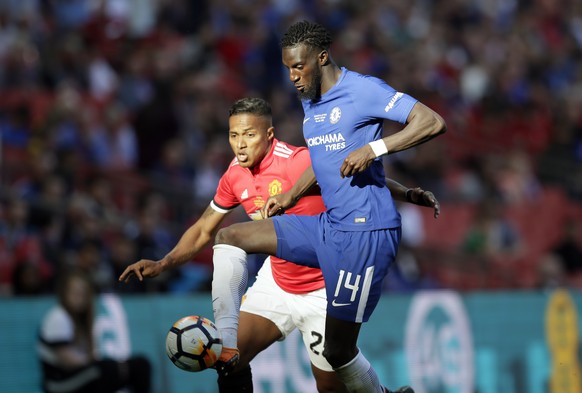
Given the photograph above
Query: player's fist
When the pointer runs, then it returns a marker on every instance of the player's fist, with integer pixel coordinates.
(357, 161)
(277, 205)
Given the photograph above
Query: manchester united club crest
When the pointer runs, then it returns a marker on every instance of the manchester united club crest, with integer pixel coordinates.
(275, 188)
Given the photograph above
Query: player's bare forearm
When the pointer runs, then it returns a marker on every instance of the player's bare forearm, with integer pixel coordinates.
(278, 203)
(190, 244)
(397, 190)
(303, 184)
(416, 196)
(198, 236)
(423, 125)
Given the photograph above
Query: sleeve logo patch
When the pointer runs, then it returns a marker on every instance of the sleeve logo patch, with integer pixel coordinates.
(392, 102)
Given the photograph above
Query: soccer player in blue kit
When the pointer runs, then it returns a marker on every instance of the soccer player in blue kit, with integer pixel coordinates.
(356, 239)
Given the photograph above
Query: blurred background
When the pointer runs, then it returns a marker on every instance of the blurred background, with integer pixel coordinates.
(113, 126)
(113, 132)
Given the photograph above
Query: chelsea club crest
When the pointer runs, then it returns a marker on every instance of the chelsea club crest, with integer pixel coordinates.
(335, 115)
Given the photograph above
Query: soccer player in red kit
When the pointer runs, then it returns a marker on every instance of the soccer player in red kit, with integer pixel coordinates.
(285, 295)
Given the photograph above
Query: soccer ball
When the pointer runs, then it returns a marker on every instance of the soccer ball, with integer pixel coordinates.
(193, 343)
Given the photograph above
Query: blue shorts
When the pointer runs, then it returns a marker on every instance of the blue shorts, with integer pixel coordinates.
(354, 264)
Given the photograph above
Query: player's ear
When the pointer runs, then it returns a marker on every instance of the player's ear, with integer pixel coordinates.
(323, 57)
(270, 133)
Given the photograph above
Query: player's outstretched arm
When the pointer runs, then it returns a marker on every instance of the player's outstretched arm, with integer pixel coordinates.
(279, 203)
(416, 196)
(191, 243)
(422, 125)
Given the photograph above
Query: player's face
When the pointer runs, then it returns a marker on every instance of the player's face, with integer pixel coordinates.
(304, 65)
(250, 138)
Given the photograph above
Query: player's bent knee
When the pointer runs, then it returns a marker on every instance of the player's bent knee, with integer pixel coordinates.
(228, 236)
(240, 381)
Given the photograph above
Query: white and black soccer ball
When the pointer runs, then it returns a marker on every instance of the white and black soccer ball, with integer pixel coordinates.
(193, 343)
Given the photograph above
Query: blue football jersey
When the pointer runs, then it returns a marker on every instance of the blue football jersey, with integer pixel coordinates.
(347, 117)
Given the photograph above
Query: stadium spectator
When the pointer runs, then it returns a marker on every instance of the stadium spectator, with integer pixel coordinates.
(569, 248)
(560, 163)
(551, 273)
(27, 280)
(99, 198)
(122, 251)
(114, 145)
(492, 236)
(517, 181)
(67, 350)
(20, 244)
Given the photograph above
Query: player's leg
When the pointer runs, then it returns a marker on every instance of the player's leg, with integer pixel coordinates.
(254, 237)
(348, 362)
(360, 261)
(264, 319)
(309, 314)
(265, 316)
(230, 278)
(255, 334)
(230, 273)
(328, 381)
(341, 339)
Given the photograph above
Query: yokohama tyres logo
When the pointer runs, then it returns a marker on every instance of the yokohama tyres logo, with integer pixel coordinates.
(439, 344)
(325, 139)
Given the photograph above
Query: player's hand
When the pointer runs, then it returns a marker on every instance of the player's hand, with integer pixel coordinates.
(144, 268)
(425, 198)
(277, 205)
(357, 161)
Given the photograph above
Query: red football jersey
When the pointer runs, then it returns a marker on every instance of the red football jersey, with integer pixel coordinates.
(276, 174)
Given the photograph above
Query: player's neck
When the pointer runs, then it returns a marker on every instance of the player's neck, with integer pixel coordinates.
(330, 76)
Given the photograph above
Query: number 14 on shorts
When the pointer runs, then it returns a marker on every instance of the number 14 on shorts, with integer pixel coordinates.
(345, 282)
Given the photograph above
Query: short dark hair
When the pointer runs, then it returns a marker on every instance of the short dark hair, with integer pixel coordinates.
(309, 33)
(254, 106)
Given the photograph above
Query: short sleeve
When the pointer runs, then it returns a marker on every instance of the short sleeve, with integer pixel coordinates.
(374, 98)
(224, 199)
(57, 327)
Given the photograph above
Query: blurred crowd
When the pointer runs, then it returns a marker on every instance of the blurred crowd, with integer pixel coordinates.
(113, 126)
